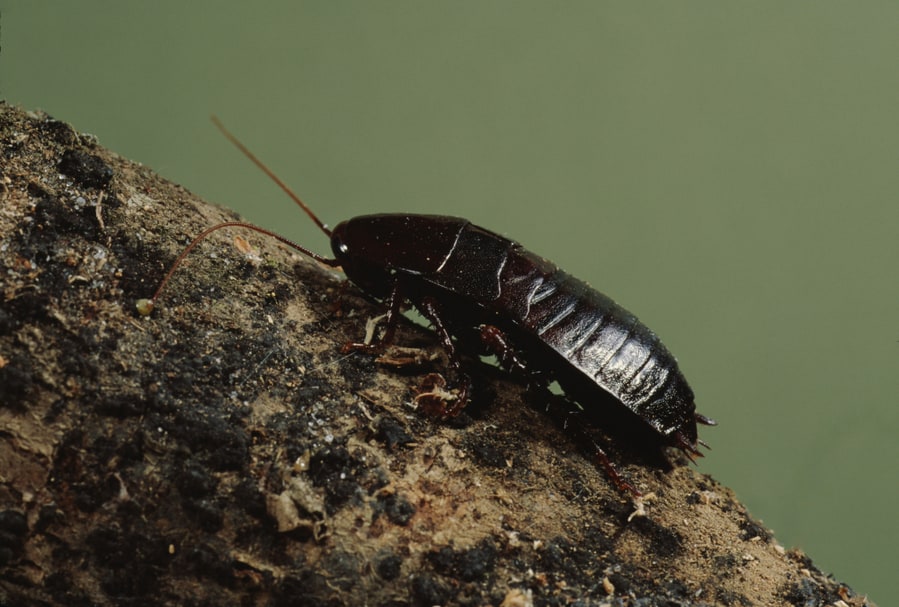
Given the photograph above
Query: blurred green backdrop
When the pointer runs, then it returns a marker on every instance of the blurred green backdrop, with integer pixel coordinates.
(728, 171)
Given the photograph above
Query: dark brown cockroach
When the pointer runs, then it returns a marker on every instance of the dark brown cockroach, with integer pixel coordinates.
(475, 286)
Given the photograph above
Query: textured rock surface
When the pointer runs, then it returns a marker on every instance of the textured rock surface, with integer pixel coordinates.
(223, 451)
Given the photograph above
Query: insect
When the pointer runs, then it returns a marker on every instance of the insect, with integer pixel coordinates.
(477, 287)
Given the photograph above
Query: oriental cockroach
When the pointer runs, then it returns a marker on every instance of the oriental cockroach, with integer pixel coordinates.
(480, 289)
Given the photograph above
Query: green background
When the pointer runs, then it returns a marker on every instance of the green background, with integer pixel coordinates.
(727, 171)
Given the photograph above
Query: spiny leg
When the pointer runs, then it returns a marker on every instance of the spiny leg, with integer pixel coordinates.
(394, 307)
(611, 471)
(435, 402)
(499, 345)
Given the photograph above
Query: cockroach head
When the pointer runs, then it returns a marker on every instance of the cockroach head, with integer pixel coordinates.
(366, 272)
(373, 248)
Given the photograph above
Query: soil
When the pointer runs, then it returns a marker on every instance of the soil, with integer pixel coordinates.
(223, 451)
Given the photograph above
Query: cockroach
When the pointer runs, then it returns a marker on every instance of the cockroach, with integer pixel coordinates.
(476, 286)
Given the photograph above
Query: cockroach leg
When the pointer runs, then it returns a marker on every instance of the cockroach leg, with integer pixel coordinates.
(375, 345)
(404, 357)
(434, 399)
(623, 485)
(498, 344)
(430, 309)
